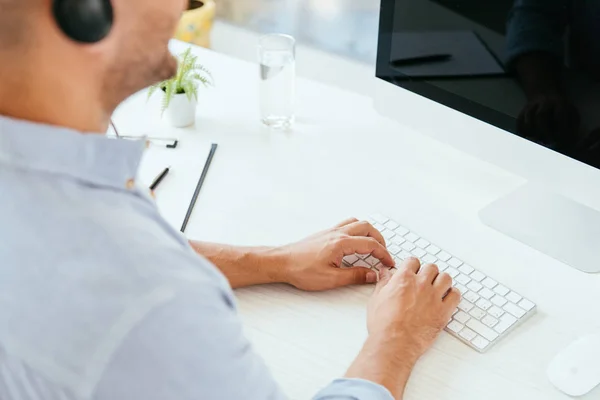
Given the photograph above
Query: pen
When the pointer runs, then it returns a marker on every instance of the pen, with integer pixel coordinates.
(159, 178)
(431, 58)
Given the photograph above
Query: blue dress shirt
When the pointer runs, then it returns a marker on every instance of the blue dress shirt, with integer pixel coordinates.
(100, 298)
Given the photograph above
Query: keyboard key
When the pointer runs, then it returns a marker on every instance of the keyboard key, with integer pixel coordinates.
(514, 297)
(499, 300)
(418, 252)
(408, 246)
(514, 310)
(480, 342)
(484, 304)
(398, 261)
(526, 305)
(361, 263)
(466, 269)
(489, 321)
(495, 312)
(411, 237)
(477, 276)
(455, 262)
(452, 272)
(475, 286)
(397, 240)
(387, 234)
(467, 334)
(363, 256)
(463, 279)
(462, 289)
(489, 283)
(477, 313)
(404, 255)
(506, 322)
(486, 293)
(429, 259)
(391, 225)
(433, 250)
(422, 243)
(442, 266)
(501, 290)
(462, 317)
(351, 259)
(481, 329)
(401, 231)
(380, 218)
(471, 297)
(372, 261)
(455, 326)
(465, 306)
(379, 227)
(393, 249)
(444, 256)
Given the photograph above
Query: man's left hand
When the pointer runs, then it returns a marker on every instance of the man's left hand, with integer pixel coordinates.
(313, 264)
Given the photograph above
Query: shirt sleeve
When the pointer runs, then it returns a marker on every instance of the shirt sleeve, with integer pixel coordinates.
(191, 348)
(536, 25)
(354, 389)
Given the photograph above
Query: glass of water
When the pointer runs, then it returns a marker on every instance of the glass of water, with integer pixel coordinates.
(277, 57)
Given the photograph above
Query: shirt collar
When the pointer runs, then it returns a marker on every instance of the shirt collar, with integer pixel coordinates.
(90, 157)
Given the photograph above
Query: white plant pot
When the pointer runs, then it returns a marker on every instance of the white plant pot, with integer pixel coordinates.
(181, 111)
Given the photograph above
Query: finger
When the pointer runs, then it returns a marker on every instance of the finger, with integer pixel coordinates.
(429, 272)
(366, 245)
(544, 126)
(346, 222)
(411, 264)
(442, 283)
(354, 276)
(384, 278)
(452, 298)
(363, 228)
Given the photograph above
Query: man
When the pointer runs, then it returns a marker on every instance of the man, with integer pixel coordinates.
(99, 298)
(536, 44)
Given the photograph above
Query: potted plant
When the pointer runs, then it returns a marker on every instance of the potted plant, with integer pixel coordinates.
(196, 23)
(180, 93)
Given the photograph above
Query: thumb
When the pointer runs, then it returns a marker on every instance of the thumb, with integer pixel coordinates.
(384, 277)
(355, 276)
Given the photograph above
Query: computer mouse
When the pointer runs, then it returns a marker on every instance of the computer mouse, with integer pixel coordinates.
(576, 370)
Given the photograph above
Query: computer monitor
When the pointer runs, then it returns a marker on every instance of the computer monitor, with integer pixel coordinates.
(524, 76)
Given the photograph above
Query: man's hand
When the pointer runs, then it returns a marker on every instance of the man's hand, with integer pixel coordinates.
(415, 302)
(550, 119)
(314, 263)
(408, 311)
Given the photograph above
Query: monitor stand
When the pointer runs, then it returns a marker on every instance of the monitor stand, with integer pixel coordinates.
(555, 225)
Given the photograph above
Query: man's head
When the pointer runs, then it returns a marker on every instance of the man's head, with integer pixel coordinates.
(38, 56)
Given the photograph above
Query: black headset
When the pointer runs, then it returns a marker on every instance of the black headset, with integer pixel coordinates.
(84, 21)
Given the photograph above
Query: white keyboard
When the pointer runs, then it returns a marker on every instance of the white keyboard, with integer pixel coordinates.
(488, 310)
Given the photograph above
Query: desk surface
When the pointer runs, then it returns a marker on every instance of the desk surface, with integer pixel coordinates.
(343, 159)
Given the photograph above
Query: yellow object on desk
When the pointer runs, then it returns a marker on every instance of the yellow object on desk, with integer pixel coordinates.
(196, 23)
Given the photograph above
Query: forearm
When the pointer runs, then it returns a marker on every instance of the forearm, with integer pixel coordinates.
(387, 360)
(540, 74)
(244, 266)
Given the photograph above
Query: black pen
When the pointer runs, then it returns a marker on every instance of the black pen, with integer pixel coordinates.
(431, 58)
(159, 178)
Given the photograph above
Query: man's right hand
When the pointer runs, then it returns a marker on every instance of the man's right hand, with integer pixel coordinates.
(406, 314)
(416, 303)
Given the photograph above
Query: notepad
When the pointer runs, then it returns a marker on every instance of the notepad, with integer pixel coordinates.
(175, 192)
(470, 56)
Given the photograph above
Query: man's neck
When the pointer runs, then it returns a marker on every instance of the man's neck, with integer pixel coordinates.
(41, 97)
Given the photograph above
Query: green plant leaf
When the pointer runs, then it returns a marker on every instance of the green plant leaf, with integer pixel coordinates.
(190, 74)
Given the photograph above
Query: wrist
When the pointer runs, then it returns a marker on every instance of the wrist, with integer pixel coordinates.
(273, 261)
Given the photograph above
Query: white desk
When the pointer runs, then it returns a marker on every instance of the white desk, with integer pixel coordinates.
(343, 159)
